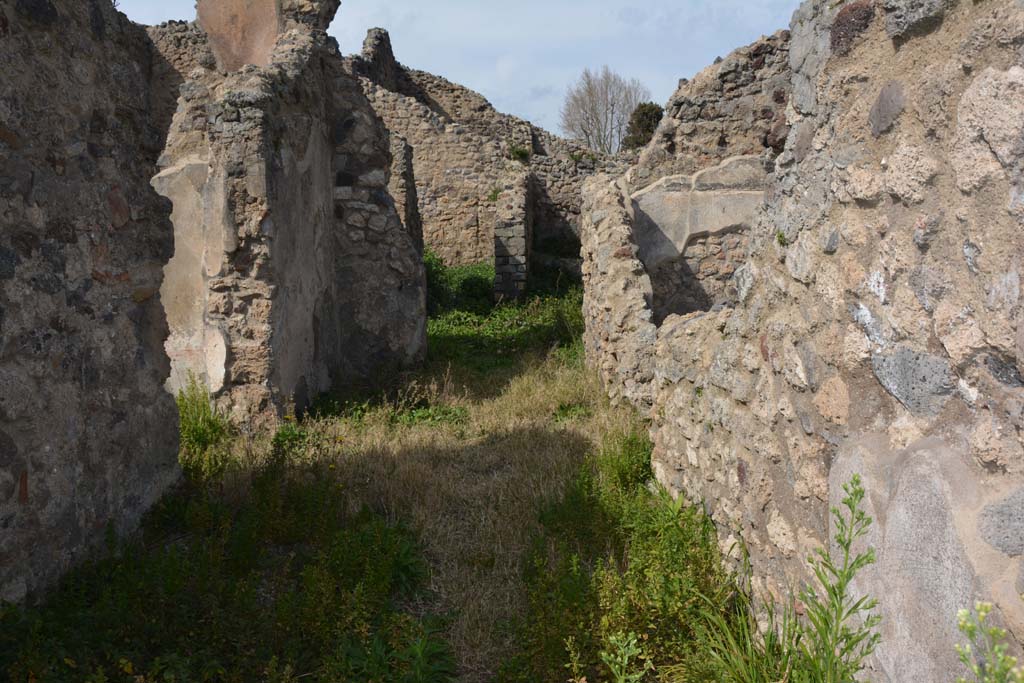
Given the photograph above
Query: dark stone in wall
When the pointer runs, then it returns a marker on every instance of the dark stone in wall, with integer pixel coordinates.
(851, 21)
(919, 381)
(40, 11)
(1002, 524)
(906, 18)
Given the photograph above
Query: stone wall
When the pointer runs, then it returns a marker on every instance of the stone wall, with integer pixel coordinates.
(513, 234)
(279, 269)
(877, 327)
(88, 436)
(735, 107)
(463, 151)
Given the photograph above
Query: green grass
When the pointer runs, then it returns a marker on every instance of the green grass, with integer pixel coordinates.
(500, 477)
(615, 577)
(278, 583)
(468, 329)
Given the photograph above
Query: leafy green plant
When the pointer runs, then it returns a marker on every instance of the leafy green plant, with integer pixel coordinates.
(781, 239)
(841, 633)
(288, 437)
(986, 654)
(517, 153)
(494, 194)
(616, 559)
(831, 643)
(202, 428)
(623, 649)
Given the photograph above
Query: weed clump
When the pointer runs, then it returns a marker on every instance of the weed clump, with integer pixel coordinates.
(615, 576)
(203, 431)
(520, 154)
(831, 643)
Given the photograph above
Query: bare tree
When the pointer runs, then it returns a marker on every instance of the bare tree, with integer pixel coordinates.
(598, 106)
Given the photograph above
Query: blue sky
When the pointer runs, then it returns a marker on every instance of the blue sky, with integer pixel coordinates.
(523, 54)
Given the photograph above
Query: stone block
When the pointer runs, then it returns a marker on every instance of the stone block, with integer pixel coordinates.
(920, 381)
(887, 108)
(905, 18)
(1002, 524)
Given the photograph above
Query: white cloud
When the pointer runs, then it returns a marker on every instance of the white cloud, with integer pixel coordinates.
(523, 54)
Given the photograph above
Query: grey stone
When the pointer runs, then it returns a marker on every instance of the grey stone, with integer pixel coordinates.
(971, 253)
(920, 381)
(830, 239)
(8, 263)
(744, 281)
(1004, 370)
(887, 108)
(929, 286)
(905, 18)
(926, 231)
(1002, 524)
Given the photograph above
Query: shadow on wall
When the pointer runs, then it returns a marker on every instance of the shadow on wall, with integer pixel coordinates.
(691, 234)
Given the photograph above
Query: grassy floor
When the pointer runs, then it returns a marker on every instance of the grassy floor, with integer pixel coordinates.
(380, 540)
(492, 520)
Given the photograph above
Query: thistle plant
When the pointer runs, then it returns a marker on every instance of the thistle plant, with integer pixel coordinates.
(985, 654)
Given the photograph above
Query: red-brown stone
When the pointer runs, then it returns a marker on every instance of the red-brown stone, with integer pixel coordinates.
(240, 31)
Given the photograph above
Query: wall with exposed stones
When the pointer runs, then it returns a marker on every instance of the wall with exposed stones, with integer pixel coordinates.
(735, 107)
(88, 436)
(463, 154)
(279, 268)
(293, 271)
(877, 327)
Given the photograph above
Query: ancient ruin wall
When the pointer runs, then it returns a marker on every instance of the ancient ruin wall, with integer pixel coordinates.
(877, 329)
(292, 273)
(735, 107)
(87, 433)
(280, 267)
(463, 153)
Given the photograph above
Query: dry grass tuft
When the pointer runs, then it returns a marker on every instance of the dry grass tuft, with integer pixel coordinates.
(470, 487)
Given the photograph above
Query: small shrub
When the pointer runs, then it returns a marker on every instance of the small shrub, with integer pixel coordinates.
(781, 239)
(985, 654)
(831, 643)
(642, 125)
(203, 429)
(288, 438)
(494, 194)
(619, 659)
(520, 154)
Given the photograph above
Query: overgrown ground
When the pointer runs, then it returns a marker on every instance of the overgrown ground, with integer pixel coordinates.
(492, 518)
(382, 539)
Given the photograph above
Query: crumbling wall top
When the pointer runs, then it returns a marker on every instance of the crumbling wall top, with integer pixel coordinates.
(245, 32)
